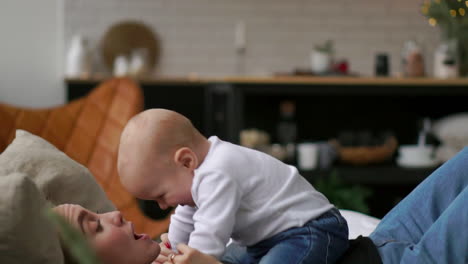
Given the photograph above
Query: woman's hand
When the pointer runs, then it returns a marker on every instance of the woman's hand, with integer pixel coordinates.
(187, 255)
(165, 250)
(190, 255)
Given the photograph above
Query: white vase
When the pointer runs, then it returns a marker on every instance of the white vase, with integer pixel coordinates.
(121, 66)
(78, 61)
(446, 64)
(320, 62)
(138, 66)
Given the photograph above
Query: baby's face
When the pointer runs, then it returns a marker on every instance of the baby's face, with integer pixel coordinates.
(112, 237)
(172, 188)
(149, 175)
(174, 193)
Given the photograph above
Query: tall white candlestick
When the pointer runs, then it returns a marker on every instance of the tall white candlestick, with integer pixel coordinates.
(240, 41)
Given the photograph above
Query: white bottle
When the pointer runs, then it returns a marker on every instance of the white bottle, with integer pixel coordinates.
(78, 61)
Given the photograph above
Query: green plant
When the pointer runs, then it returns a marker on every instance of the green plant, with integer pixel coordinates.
(74, 240)
(450, 15)
(452, 18)
(344, 196)
(326, 47)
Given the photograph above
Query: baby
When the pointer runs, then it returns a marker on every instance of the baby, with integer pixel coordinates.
(222, 191)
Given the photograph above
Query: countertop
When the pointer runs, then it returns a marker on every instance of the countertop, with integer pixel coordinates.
(329, 80)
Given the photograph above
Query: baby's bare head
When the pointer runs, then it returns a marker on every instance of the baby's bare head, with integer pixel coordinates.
(147, 146)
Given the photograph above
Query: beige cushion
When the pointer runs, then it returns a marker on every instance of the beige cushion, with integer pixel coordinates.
(61, 179)
(26, 234)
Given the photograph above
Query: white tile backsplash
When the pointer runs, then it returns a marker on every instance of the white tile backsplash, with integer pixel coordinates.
(198, 35)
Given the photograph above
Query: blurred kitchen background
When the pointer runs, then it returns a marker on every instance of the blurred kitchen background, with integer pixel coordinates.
(246, 70)
(214, 38)
(199, 36)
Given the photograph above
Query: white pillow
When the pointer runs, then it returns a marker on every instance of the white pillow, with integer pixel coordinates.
(359, 223)
(26, 234)
(61, 179)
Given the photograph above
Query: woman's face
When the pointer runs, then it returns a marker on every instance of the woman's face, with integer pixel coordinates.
(112, 237)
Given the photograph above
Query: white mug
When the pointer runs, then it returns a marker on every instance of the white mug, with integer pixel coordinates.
(307, 155)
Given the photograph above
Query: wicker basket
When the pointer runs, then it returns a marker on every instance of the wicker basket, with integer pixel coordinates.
(366, 155)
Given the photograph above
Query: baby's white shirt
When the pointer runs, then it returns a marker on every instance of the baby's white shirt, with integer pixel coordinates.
(244, 194)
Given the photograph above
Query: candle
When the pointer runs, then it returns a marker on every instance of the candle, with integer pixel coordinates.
(240, 41)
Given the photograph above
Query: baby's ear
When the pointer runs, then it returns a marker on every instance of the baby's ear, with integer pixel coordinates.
(186, 157)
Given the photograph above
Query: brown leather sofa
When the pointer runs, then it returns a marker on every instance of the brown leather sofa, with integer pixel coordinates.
(88, 130)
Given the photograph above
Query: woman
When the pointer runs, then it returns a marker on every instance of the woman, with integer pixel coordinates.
(113, 238)
(428, 226)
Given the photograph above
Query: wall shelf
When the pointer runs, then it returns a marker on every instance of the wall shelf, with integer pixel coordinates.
(290, 80)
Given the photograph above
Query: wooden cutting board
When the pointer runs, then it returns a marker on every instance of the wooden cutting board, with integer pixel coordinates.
(123, 37)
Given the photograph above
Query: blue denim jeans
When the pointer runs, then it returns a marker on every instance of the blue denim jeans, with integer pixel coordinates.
(431, 224)
(321, 240)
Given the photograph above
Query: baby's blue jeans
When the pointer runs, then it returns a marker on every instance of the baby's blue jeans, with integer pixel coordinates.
(321, 240)
(431, 224)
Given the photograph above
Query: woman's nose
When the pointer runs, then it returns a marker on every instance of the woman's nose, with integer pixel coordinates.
(118, 218)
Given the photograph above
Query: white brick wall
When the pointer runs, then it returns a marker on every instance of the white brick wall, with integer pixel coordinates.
(198, 35)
